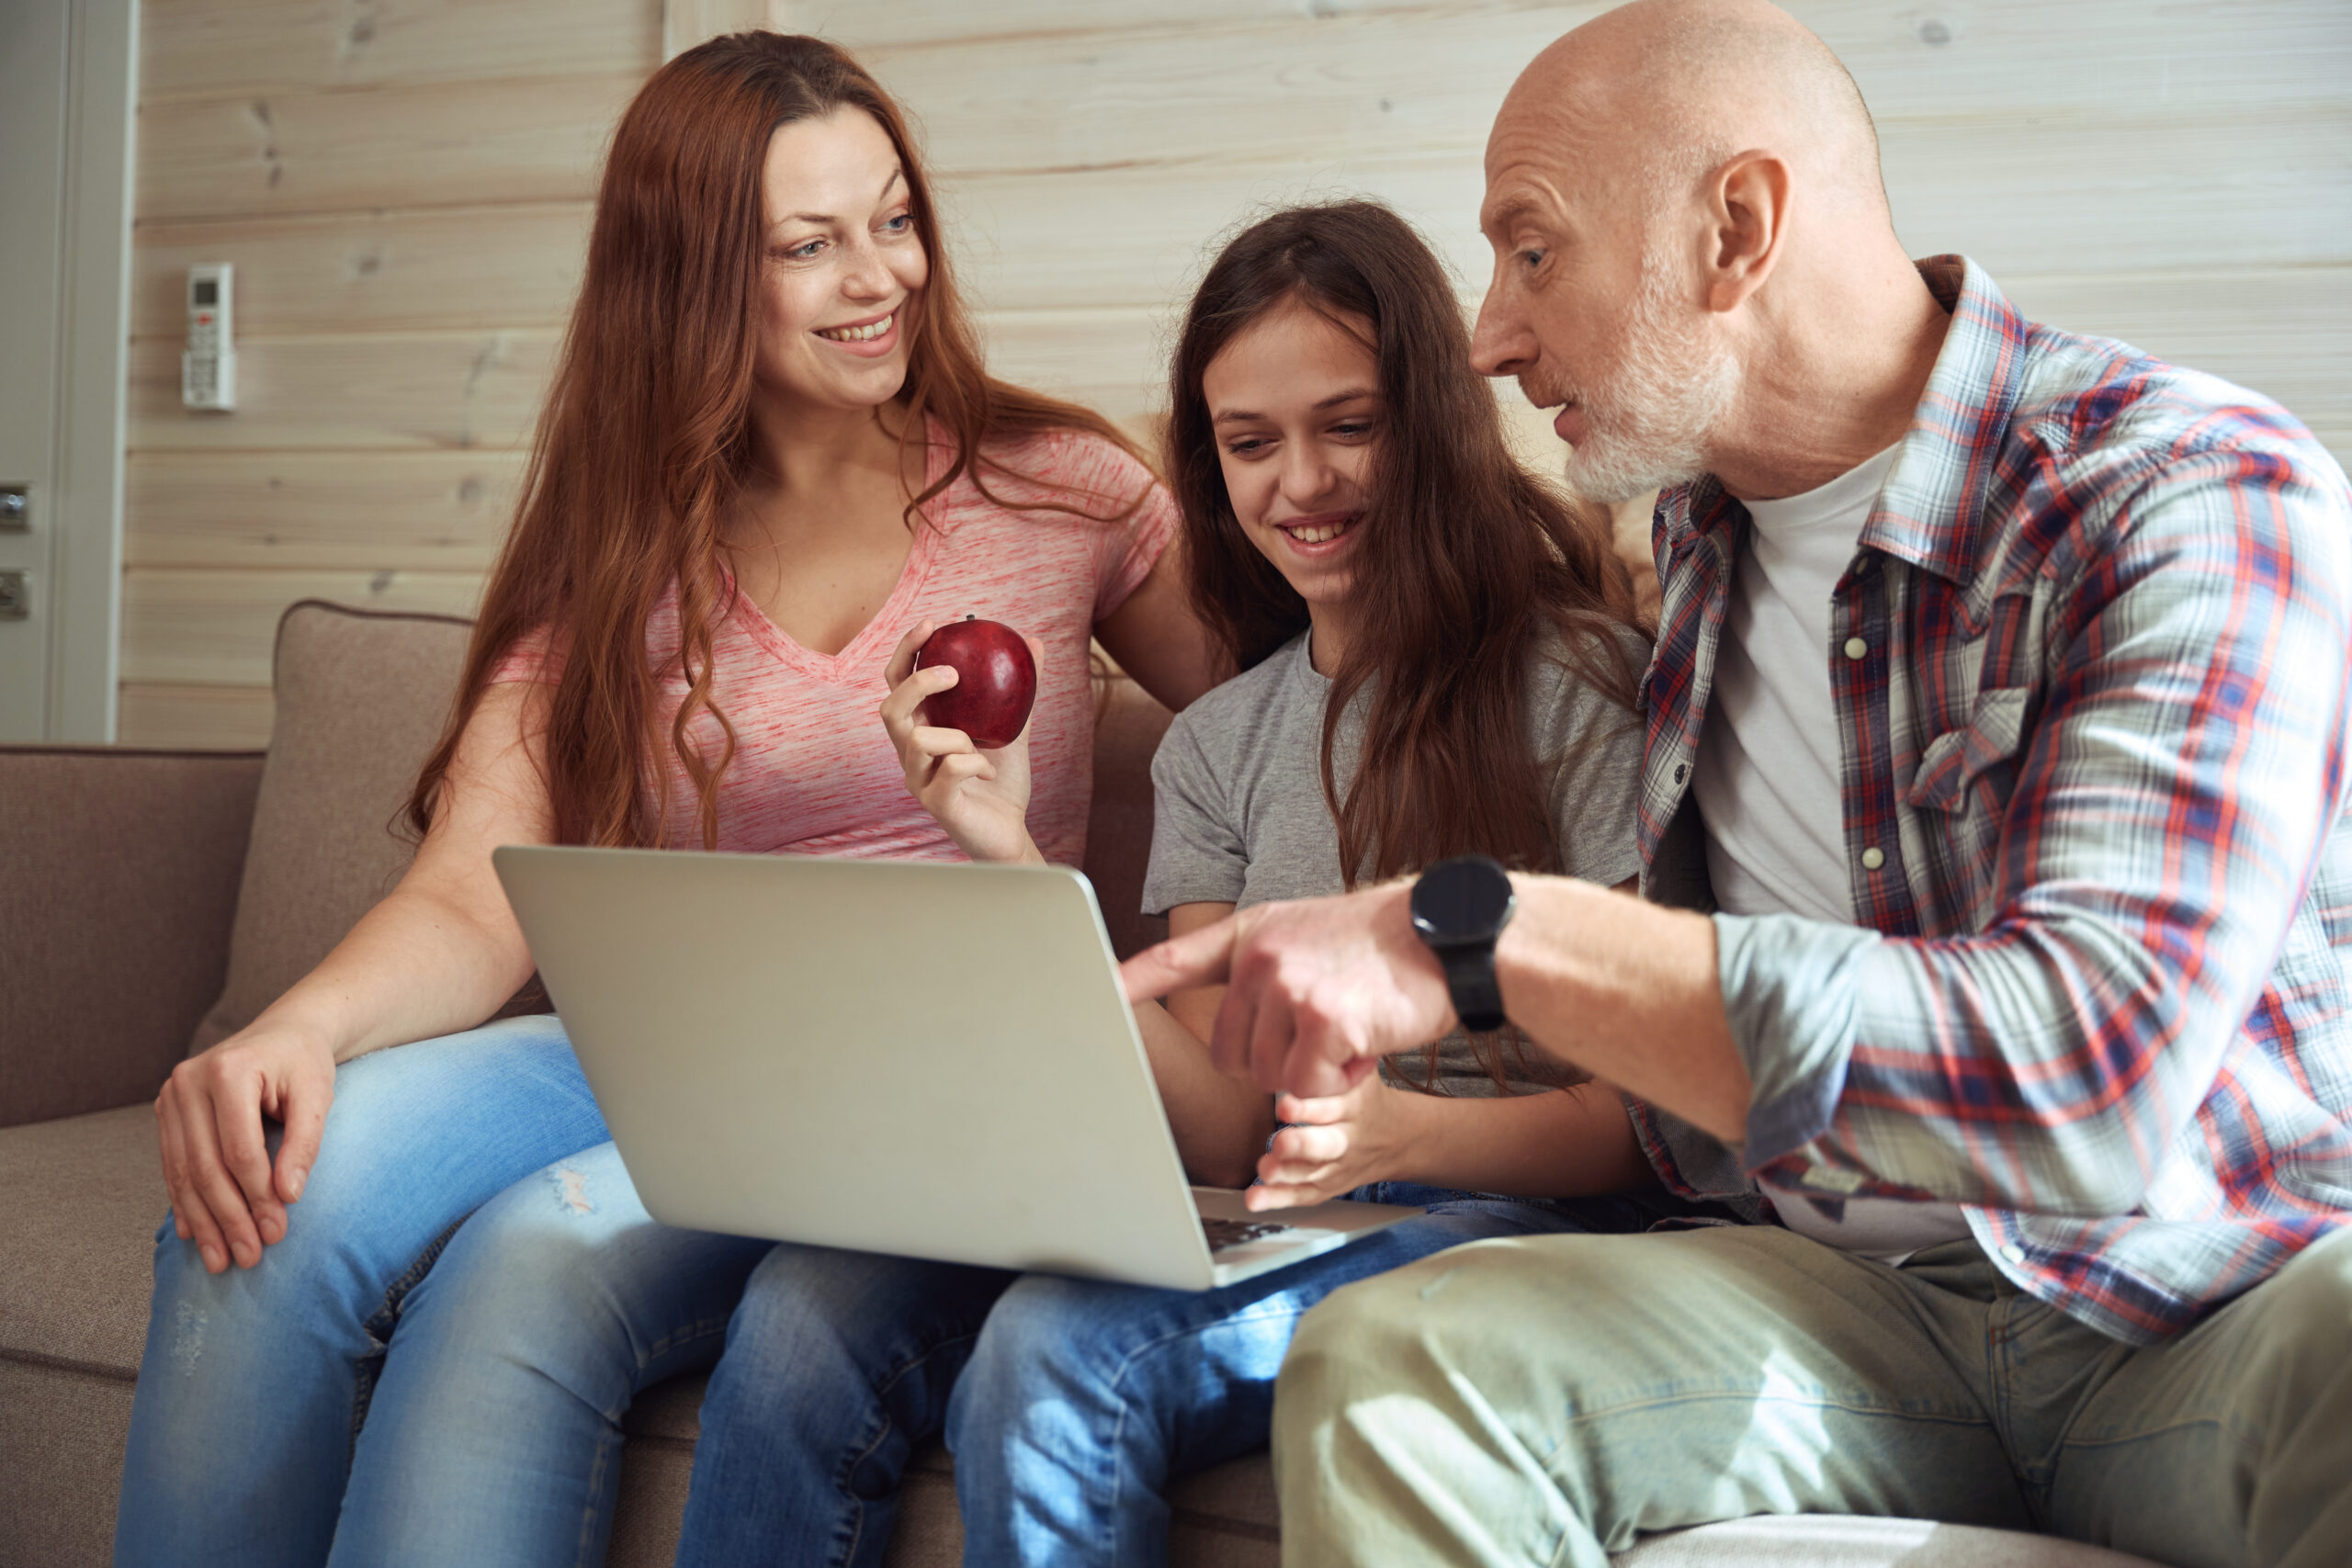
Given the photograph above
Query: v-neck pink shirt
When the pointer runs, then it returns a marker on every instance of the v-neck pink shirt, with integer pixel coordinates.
(814, 772)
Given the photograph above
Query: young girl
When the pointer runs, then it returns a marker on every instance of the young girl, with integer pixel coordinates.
(1438, 657)
(770, 455)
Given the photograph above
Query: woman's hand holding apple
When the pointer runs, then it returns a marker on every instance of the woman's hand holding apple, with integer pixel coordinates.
(981, 798)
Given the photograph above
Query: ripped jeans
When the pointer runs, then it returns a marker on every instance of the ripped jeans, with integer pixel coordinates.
(470, 1274)
(492, 1361)
(247, 1423)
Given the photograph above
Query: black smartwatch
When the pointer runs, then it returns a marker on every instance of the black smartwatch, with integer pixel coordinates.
(1460, 906)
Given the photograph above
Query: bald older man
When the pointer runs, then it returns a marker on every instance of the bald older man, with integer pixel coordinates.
(2001, 693)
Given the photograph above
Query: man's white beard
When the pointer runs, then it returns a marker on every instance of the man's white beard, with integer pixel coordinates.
(1647, 424)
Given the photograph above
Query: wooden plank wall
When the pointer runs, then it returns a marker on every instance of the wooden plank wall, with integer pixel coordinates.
(402, 184)
(405, 187)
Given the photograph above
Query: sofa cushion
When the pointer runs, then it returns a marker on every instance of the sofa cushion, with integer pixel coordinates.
(114, 937)
(361, 698)
(63, 1433)
(84, 1196)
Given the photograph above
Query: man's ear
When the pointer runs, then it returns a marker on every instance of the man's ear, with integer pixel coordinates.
(1747, 213)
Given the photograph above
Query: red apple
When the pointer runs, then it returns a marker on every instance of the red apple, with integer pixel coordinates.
(996, 681)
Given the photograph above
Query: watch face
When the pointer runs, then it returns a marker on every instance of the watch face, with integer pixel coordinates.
(1462, 900)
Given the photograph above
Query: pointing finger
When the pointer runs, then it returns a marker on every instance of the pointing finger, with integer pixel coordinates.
(1197, 958)
(1272, 1030)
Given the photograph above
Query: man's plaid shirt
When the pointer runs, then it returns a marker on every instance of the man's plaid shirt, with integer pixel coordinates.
(2091, 664)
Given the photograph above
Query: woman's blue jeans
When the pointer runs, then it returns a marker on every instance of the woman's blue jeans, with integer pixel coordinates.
(247, 1418)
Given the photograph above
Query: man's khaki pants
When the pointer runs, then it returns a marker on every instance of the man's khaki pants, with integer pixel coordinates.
(1545, 1400)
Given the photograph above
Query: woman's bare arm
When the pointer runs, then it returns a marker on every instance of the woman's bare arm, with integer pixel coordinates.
(447, 923)
(439, 955)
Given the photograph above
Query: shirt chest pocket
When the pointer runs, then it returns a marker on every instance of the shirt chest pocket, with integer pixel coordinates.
(1977, 760)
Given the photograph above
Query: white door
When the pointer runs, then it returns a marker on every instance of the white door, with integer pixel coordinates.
(66, 91)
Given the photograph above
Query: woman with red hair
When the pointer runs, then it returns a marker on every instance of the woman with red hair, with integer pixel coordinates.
(771, 460)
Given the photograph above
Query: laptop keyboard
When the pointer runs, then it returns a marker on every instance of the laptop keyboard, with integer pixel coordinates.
(1223, 1234)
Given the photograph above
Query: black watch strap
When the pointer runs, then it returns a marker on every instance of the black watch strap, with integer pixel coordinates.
(1470, 977)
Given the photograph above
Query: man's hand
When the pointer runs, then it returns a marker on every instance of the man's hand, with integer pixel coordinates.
(1318, 990)
(225, 1195)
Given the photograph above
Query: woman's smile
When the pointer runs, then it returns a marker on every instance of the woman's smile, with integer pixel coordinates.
(871, 336)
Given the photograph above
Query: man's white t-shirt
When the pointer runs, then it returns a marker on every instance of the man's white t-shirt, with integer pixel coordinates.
(1767, 776)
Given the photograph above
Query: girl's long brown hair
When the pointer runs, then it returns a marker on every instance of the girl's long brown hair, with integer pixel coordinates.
(645, 440)
(1463, 562)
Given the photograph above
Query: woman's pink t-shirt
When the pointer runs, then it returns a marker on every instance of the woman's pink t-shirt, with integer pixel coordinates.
(814, 772)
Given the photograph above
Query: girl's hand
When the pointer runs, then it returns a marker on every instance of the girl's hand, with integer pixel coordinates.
(981, 798)
(1337, 1144)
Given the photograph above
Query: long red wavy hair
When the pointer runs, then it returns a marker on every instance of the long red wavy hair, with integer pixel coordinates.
(645, 440)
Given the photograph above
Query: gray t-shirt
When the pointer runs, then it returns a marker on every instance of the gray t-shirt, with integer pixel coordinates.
(1240, 816)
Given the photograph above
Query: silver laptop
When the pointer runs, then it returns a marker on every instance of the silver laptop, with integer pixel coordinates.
(930, 1060)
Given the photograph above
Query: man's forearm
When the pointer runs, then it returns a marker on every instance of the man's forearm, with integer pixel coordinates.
(1628, 991)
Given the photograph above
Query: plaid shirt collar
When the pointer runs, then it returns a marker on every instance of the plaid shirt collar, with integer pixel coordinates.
(1922, 517)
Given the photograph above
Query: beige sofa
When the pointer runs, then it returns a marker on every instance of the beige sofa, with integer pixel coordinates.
(156, 900)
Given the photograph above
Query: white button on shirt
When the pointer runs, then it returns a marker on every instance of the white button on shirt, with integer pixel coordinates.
(1767, 773)
(1767, 778)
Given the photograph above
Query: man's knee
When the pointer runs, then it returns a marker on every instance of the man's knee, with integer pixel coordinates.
(2293, 1399)
(2318, 1285)
(1572, 1312)
(1357, 1333)
(1412, 1329)
(2303, 1320)
(1387, 1410)
(1351, 1351)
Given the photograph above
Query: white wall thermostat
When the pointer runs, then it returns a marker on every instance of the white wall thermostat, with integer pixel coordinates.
(209, 367)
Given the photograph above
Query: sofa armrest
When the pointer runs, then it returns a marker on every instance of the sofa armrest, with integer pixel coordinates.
(119, 873)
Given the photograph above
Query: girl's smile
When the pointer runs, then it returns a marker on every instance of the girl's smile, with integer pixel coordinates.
(1294, 401)
(1320, 535)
